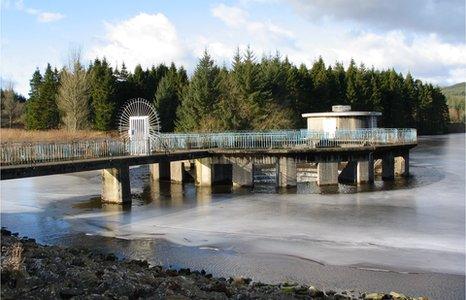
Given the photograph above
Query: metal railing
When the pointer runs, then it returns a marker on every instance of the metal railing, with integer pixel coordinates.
(30, 153)
(285, 139)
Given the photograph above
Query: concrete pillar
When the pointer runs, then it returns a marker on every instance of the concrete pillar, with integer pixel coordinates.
(402, 165)
(371, 167)
(388, 167)
(365, 171)
(160, 171)
(242, 174)
(349, 172)
(154, 172)
(378, 166)
(176, 171)
(164, 170)
(221, 173)
(203, 172)
(286, 172)
(327, 173)
(406, 164)
(115, 185)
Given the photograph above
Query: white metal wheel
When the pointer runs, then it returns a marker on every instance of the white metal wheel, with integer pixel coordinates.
(139, 124)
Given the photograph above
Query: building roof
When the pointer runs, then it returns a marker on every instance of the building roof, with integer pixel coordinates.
(343, 114)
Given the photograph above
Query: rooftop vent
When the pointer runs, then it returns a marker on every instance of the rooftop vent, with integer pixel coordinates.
(340, 108)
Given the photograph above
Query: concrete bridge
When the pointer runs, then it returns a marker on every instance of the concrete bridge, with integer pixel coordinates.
(340, 156)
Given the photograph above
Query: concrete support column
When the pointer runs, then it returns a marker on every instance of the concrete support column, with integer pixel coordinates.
(286, 172)
(115, 185)
(388, 167)
(242, 174)
(160, 171)
(362, 171)
(365, 171)
(203, 172)
(176, 171)
(371, 168)
(327, 173)
(402, 165)
(154, 172)
(221, 174)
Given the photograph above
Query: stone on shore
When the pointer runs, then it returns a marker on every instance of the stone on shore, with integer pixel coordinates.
(31, 271)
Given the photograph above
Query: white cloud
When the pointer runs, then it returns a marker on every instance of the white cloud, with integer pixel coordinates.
(45, 17)
(230, 15)
(428, 56)
(239, 19)
(144, 39)
(221, 52)
(41, 16)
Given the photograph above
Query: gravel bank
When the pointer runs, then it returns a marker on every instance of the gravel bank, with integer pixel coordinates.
(30, 271)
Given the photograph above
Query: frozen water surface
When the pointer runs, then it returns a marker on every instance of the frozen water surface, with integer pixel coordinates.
(410, 225)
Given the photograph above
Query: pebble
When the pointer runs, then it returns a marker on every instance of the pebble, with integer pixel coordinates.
(55, 272)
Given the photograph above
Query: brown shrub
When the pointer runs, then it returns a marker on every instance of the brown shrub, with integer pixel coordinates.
(14, 258)
(55, 135)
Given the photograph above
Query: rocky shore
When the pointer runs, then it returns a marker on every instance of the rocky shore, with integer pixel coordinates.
(31, 271)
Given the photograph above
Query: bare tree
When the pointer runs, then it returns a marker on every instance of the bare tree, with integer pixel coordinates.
(11, 106)
(73, 94)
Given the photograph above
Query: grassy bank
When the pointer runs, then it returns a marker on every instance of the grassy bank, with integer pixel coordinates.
(53, 135)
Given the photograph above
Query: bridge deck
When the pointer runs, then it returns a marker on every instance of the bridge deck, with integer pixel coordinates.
(71, 166)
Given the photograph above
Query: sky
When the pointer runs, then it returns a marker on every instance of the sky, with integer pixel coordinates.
(424, 37)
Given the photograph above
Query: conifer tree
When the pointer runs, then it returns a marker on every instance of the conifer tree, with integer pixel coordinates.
(32, 118)
(376, 96)
(102, 83)
(351, 85)
(139, 81)
(305, 88)
(320, 90)
(339, 93)
(199, 97)
(410, 97)
(155, 74)
(42, 110)
(228, 108)
(246, 74)
(123, 89)
(167, 98)
(48, 96)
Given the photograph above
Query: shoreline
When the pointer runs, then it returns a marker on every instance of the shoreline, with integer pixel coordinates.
(276, 290)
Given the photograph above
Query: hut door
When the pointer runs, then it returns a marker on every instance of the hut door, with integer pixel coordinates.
(139, 135)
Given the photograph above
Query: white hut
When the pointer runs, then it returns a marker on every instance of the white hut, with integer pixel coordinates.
(340, 118)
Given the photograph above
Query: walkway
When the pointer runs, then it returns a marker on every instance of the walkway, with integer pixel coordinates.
(302, 140)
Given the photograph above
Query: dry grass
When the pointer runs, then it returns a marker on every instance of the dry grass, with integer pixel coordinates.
(14, 258)
(56, 135)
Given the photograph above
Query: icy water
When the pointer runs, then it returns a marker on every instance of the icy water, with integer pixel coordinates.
(407, 235)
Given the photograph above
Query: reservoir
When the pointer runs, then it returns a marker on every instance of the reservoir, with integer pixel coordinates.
(407, 235)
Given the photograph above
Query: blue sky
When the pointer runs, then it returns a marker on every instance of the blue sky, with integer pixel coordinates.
(425, 37)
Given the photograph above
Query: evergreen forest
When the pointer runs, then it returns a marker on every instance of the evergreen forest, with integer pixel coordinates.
(252, 94)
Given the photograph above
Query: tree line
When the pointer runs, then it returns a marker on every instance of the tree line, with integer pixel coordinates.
(252, 94)
(455, 95)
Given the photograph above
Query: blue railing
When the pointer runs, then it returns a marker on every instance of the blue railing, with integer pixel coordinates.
(30, 153)
(285, 139)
